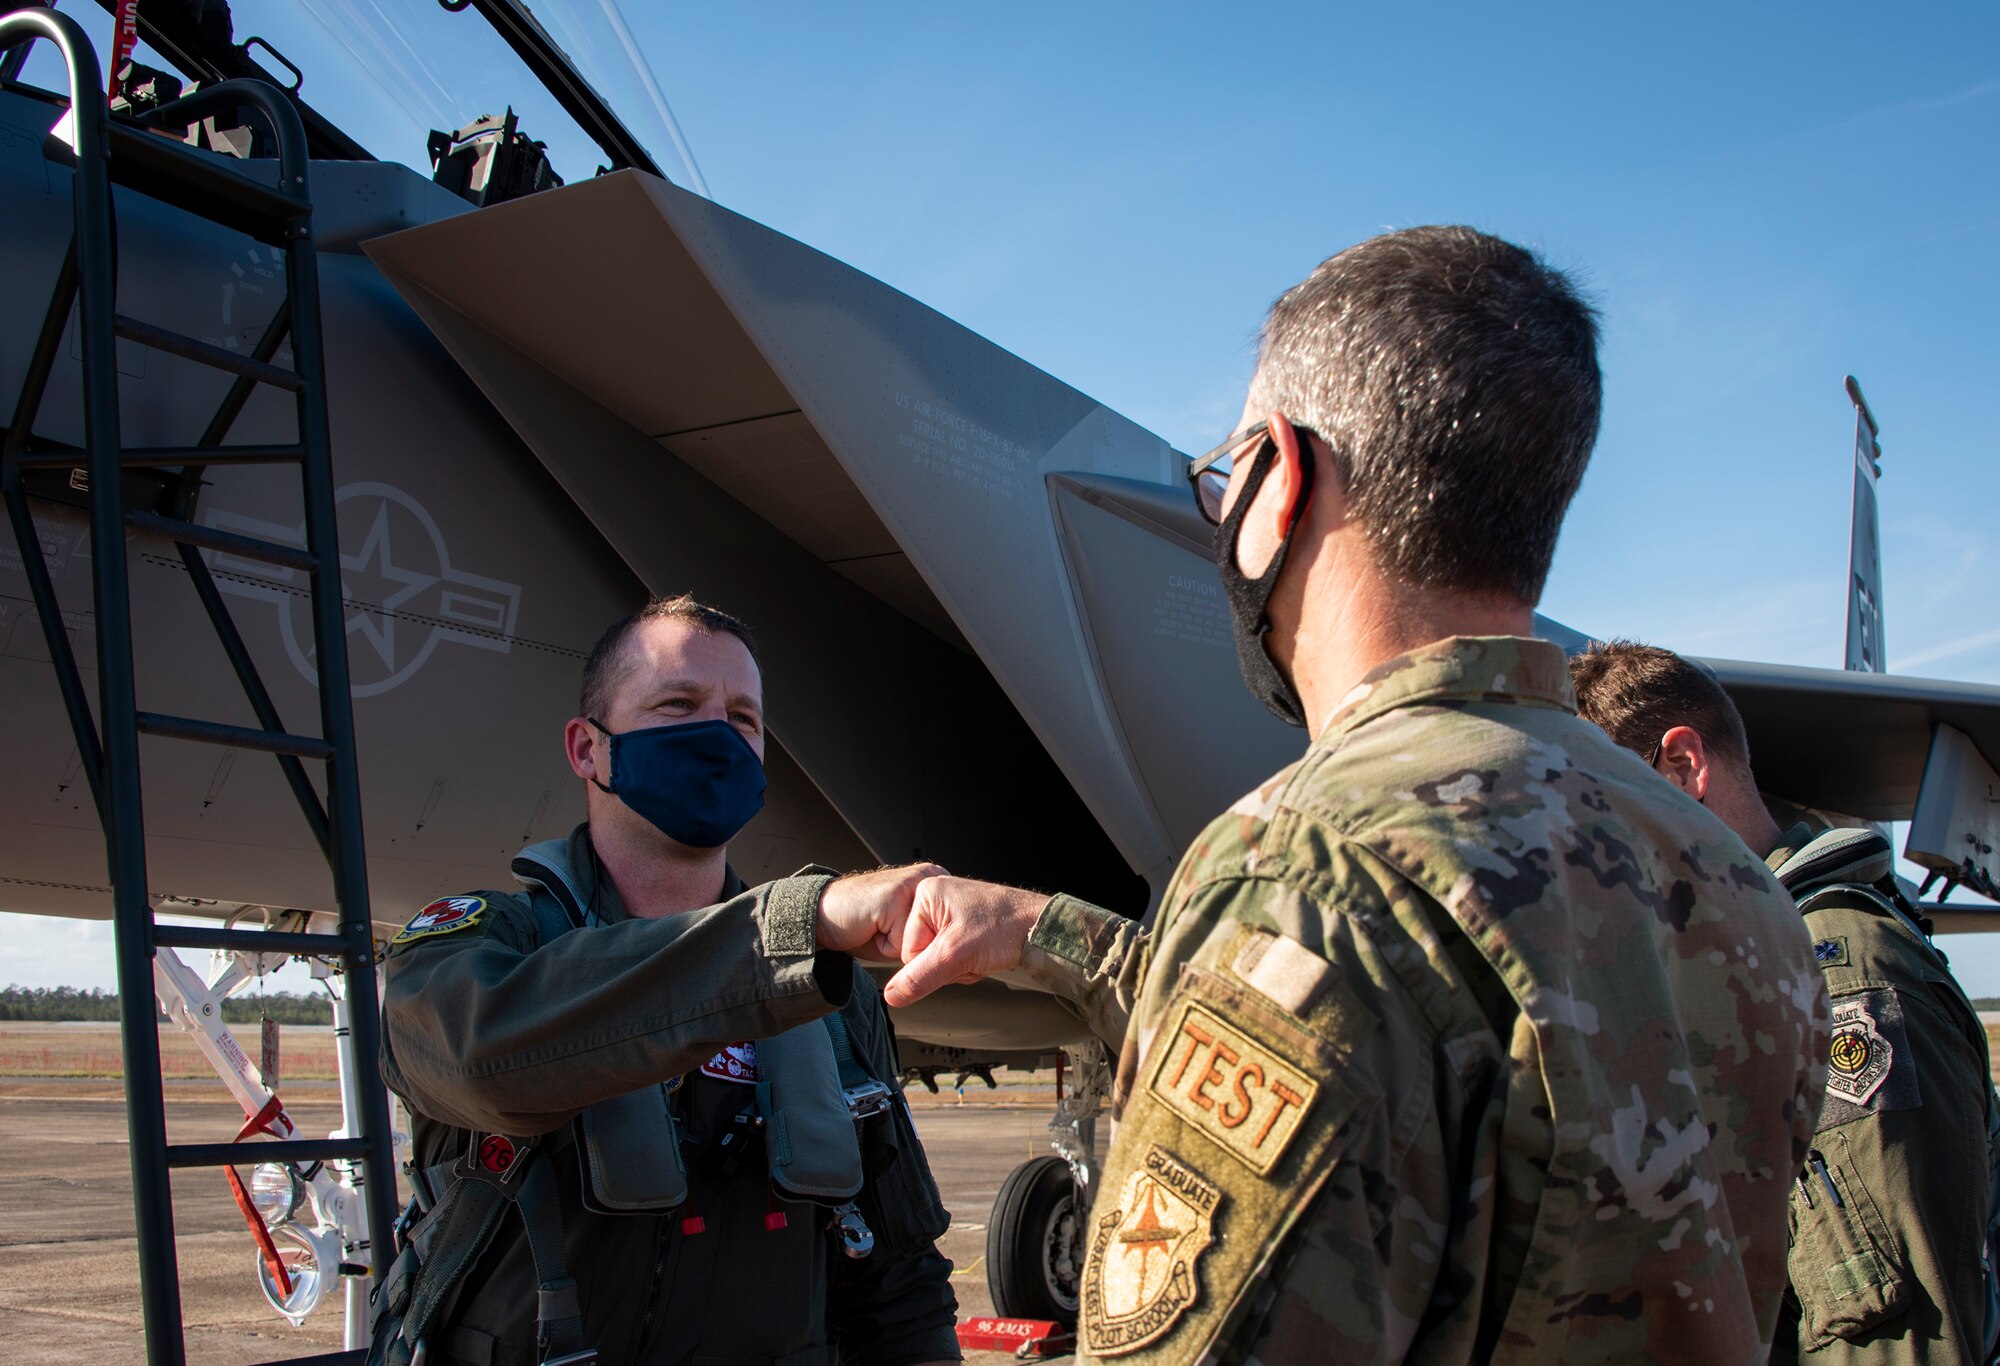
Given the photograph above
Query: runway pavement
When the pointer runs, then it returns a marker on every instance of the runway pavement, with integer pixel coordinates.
(68, 1261)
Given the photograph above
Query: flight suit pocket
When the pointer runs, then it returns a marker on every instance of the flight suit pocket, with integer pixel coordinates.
(1847, 1272)
(1235, 1121)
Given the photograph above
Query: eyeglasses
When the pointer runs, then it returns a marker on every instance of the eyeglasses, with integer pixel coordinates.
(1653, 757)
(1208, 475)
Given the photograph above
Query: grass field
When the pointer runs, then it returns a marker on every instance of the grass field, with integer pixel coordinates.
(37, 1049)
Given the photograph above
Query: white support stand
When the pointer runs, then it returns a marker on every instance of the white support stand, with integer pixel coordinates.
(338, 1211)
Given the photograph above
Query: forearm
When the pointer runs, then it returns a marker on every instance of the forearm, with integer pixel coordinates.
(1092, 959)
(487, 1036)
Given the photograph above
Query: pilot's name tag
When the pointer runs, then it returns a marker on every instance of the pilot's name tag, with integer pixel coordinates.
(1230, 1087)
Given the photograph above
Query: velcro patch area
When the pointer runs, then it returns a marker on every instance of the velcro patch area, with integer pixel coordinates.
(1831, 953)
(1230, 1086)
(446, 915)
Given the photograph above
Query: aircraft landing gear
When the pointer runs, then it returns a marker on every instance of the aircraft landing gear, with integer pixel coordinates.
(1036, 1238)
(1035, 1243)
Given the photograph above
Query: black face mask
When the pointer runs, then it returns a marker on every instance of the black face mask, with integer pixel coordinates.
(1248, 597)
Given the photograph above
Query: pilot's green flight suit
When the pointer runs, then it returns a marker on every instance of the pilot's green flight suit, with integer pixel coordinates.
(1890, 1218)
(488, 1030)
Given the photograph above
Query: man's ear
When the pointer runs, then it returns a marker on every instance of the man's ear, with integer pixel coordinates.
(1683, 759)
(1287, 477)
(1271, 512)
(585, 758)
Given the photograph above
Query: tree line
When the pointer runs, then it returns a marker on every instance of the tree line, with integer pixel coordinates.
(76, 1004)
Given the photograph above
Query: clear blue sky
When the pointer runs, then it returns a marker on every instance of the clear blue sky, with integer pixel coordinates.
(1761, 200)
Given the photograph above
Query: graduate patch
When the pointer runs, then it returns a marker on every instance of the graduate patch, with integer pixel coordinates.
(1230, 1086)
(1831, 953)
(1869, 1065)
(1140, 1276)
(442, 916)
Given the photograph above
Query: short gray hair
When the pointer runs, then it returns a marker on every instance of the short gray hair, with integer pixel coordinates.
(1454, 378)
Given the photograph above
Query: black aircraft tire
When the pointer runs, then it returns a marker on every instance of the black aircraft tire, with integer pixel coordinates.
(1035, 1243)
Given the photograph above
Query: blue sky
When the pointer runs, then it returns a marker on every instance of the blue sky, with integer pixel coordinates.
(1760, 199)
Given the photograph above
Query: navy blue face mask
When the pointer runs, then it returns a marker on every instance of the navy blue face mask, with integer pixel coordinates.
(699, 783)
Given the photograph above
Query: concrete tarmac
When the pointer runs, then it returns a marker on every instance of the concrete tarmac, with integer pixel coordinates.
(68, 1260)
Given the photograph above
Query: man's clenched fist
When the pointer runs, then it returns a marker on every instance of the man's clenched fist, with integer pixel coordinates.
(959, 930)
(864, 913)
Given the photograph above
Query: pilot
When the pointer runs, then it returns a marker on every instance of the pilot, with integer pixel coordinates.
(654, 1111)
(1444, 1046)
(1891, 1251)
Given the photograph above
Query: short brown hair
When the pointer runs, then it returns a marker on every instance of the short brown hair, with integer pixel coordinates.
(607, 664)
(1637, 693)
(1454, 378)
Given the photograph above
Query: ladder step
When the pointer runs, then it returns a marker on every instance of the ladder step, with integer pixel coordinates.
(152, 457)
(160, 339)
(228, 542)
(250, 1154)
(241, 737)
(255, 941)
(202, 183)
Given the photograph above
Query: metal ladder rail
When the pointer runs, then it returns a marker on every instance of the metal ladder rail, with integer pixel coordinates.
(88, 277)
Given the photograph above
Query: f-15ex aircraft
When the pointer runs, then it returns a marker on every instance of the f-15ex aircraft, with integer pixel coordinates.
(993, 632)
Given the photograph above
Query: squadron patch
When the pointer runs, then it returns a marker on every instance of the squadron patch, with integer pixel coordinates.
(1140, 1276)
(1230, 1087)
(1869, 1065)
(443, 916)
(1831, 953)
(737, 1062)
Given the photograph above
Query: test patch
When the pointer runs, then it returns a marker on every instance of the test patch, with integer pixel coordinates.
(1230, 1087)
(1140, 1276)
(443, 916)
(1870, 1067)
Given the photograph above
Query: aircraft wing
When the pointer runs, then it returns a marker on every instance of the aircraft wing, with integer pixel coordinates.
(1849, 741)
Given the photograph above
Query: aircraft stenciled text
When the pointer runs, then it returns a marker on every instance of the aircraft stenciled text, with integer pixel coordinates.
(1191, 609)
(950, 444)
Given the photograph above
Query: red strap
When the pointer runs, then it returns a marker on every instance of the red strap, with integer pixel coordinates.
(125, 37)
(262, 1234)
(260, 1123)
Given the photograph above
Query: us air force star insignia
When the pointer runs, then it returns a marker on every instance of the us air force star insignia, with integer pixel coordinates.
(442, 917)
(1140, 1277)
(1860, 1058)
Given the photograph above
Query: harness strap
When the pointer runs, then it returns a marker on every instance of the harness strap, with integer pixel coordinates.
(851, 1071)
(468, 1217)
(558, 1310)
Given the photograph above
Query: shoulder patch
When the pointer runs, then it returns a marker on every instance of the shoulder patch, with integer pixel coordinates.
(446, 915)
(1870, 1067)
(1230, 1087)
(1831, 953)
(1140, 1277)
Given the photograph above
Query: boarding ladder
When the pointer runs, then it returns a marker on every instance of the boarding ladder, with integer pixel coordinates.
(111, 150)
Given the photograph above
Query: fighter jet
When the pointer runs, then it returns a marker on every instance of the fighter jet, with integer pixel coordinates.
(993, 631)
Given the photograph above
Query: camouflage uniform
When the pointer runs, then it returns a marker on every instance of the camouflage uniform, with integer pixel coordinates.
(1462, 1039)
(1896, 1269)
